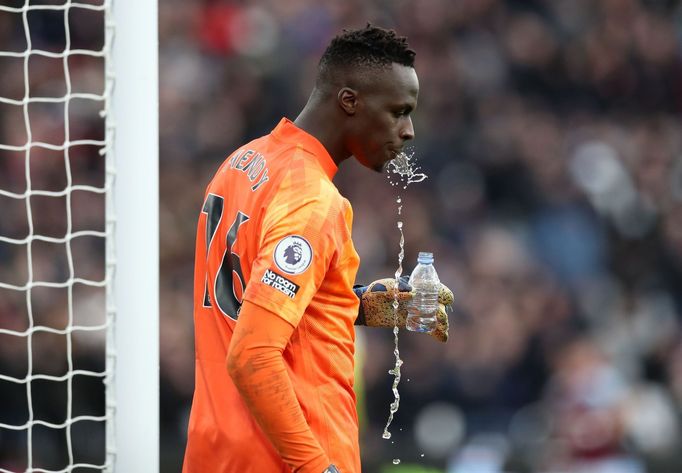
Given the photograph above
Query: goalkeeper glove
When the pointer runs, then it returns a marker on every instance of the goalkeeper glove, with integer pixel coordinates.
(376, 305)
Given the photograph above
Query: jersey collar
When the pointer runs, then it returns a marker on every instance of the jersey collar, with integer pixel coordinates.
(287, 131)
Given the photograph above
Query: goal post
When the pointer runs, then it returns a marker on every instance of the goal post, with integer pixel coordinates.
(79, 236)
(133, 216)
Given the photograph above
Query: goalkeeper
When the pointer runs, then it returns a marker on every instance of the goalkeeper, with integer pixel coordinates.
(274, 302)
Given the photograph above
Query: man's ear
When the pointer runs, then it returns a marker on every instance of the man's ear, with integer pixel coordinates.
(348, 100)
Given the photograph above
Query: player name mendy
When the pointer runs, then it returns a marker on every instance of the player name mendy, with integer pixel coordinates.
(253, 164)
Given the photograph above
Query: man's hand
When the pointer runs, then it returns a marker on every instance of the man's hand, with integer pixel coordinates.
(376, 305)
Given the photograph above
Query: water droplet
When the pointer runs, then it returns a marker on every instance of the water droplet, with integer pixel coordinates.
(396, 461)
(386, 434)
(422, 455)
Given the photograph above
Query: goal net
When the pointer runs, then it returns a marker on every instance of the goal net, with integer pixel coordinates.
(73, 323)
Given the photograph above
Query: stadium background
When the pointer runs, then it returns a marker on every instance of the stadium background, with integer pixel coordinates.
(550, 131)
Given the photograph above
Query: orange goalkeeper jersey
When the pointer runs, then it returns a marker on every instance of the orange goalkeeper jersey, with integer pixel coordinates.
(275, 231)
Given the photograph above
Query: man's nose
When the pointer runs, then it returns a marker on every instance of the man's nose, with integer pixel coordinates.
(407, 130)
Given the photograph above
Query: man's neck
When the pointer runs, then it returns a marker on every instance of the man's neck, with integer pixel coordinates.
(318, 120)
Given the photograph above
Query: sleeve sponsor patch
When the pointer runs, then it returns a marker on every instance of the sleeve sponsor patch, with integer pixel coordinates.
(282, 284)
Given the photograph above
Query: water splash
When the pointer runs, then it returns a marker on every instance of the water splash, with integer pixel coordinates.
(402, 171)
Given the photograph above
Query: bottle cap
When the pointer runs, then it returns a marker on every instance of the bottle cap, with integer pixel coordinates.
(425, 257)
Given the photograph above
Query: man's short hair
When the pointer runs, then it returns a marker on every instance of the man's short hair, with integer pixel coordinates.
(370, 46)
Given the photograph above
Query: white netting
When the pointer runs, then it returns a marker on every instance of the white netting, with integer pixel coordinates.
(54, 91)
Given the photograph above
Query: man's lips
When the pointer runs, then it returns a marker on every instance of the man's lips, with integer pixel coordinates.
(395, 152)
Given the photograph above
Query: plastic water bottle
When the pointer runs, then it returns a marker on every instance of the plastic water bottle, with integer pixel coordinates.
(422, 309)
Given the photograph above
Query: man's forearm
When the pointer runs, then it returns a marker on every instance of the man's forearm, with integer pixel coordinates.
(257, 369)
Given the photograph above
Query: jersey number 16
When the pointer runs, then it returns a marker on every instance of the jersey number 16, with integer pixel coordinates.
(224, 284)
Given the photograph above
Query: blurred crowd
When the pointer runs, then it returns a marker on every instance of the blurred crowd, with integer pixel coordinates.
(550, 132)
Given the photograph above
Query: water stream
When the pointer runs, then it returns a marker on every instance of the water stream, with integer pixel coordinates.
(402, 171)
